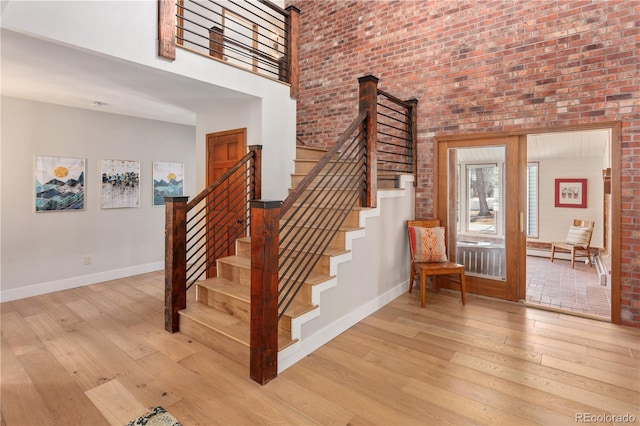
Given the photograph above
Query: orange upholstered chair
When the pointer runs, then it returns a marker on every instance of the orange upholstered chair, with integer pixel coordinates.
(427, 244)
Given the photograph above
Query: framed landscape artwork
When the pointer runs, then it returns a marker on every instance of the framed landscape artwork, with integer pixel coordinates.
(120, 184)
(59, 183)
(571, 193)
(168, 181)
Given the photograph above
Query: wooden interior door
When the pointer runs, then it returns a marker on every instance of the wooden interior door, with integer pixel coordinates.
(483, 231)
(227, 205)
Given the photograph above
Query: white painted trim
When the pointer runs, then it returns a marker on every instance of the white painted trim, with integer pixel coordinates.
(296, 352)
(80, 281)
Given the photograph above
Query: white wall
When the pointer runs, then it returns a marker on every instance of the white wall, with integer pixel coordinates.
(555, 221)
(277, 139)
(45, 251)
(379, 264)
(128, 30)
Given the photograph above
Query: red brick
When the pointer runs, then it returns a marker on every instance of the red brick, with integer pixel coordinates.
(518, 64)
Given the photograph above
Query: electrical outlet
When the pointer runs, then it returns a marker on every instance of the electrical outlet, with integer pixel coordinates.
(87, 260)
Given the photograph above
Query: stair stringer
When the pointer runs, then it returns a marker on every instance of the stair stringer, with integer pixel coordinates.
(310, 341)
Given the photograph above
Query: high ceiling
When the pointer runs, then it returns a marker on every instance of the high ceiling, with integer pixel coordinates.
(38, 70)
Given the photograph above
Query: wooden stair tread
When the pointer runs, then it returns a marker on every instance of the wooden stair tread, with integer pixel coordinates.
(227, 287)
(245, 262)
(227, 324)
(243, 292)
(330, 251)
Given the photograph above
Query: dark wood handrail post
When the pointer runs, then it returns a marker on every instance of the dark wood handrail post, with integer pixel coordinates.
(257, 165)
(175, 261)
(293, 29)
(413, 114)
(167, 29)
(265, 217)
(216, 42)
(369, 103)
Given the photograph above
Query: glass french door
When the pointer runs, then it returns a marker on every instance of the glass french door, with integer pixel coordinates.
(479, 202)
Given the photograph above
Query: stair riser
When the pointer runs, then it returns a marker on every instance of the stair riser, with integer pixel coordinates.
(225, 303)
(305, 166)
(322, 267)
(303, 153)
(334, 180)
(212, 338)
(352, 219)
(336, 242)
(235, 273)
(243, 248)
(342, 198)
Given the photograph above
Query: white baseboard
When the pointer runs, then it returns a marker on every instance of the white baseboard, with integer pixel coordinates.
(294, 353)
(74, 282)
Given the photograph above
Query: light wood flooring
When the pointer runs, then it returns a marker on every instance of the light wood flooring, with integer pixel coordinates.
(98, 355)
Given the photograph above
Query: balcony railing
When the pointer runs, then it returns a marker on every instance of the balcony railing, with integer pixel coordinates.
(255, 35)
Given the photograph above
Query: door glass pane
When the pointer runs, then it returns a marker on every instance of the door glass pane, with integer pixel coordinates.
(479, 240)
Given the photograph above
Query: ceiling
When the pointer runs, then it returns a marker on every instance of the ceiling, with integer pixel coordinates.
(42, 71)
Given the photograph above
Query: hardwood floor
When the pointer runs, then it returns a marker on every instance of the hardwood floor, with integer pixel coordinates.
(98, 355)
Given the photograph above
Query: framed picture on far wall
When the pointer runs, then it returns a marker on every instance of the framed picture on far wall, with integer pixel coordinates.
(571, 193)
(120, 184)
(59, 183)
(168, 181)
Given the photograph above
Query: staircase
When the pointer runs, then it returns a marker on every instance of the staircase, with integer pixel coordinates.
(223, 307)
(262, 295)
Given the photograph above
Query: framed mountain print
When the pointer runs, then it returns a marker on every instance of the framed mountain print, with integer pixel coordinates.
(59, 183)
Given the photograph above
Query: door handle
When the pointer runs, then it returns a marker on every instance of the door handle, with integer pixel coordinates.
(521, 221)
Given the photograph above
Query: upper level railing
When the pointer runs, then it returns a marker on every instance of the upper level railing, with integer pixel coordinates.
(396, 135)
(255, 35)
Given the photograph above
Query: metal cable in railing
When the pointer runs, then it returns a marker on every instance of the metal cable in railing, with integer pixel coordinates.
(317, 209)
(214, 209)
(250, 34)
(394, 135)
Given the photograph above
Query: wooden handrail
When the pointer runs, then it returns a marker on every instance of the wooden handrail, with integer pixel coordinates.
(302, 186)
(209, 189)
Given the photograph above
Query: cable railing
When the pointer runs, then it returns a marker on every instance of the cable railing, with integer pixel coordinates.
(396, 133)
(314, 213)
(249, 34)
(215, 220)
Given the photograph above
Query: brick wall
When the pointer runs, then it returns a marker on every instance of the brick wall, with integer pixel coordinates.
(479, 66)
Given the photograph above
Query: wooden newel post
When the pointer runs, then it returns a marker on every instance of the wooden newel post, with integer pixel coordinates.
(216, 42)
(413, 128)
(293, 29)
(265, 218)
(369, 103)
(167, 29)
(175, 261)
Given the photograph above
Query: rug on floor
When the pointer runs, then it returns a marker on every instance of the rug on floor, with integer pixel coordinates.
(156, 417)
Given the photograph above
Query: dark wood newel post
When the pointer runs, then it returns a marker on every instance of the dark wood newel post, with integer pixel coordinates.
(369, 103)
(175, 261)
(265, 218)
(293, 28)
(216, 40)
